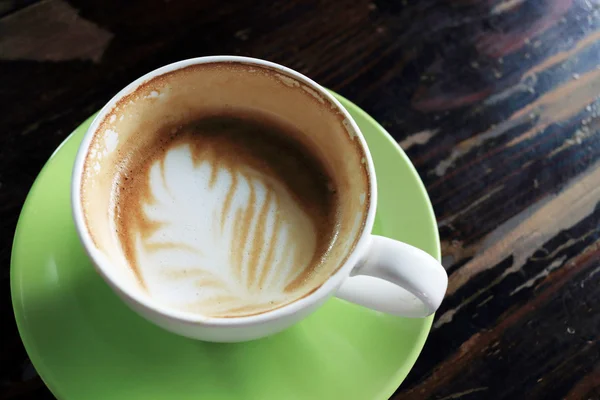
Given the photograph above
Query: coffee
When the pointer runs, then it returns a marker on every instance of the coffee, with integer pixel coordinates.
(219, 200)
(228, 211)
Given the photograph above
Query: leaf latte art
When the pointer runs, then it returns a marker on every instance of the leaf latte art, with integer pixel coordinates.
(211, 225)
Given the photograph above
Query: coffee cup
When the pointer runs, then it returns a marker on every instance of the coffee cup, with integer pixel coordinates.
(226, 198)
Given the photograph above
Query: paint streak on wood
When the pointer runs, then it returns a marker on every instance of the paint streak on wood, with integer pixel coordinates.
(560, 104)
(557, 58)
(505, 6)
(469, 144)
(545, 272)
(527, 84)
(524, 233)
(51, 31)
(418, 138)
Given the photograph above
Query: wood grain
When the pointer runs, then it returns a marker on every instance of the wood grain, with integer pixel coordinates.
(496, 102)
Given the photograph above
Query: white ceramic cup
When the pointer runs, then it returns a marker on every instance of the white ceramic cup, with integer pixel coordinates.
(416, 282)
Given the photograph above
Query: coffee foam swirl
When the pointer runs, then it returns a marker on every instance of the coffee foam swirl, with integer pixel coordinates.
(224, 218)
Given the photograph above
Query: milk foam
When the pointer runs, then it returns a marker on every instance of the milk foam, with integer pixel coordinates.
(224, 241)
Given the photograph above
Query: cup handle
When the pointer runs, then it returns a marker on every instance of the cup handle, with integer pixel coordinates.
(410, 283)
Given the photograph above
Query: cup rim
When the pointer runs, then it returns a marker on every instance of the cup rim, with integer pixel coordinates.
(100, 262)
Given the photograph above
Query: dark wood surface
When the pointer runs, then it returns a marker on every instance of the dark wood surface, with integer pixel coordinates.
(496, 102)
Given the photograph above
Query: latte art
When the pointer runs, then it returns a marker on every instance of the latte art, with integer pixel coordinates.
(222, 220)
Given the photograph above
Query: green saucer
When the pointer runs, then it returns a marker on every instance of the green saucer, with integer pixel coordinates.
(86, 344)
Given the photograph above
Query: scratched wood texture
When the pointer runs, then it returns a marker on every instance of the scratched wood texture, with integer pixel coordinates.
(495, 101)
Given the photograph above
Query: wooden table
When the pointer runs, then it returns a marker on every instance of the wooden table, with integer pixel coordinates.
(495, 102)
